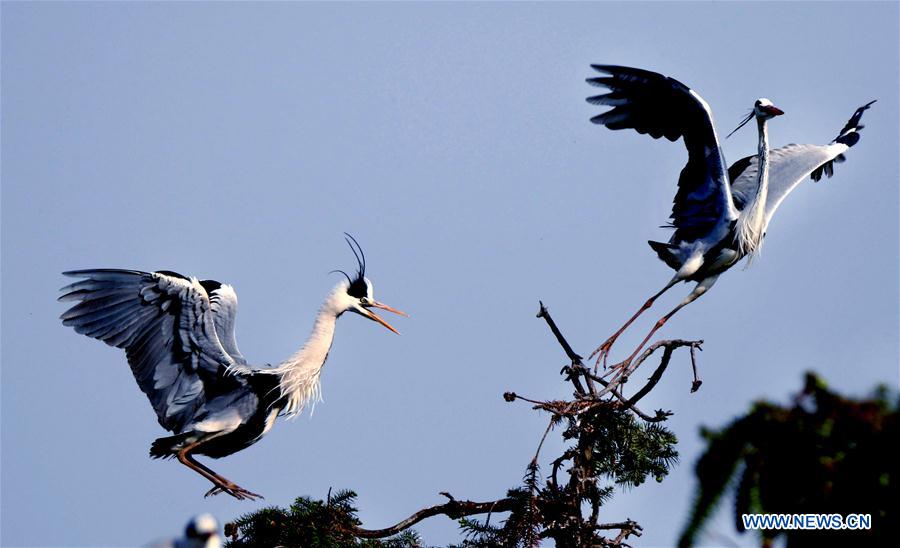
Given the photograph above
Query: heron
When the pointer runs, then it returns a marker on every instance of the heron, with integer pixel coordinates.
(178, 337)
(201, 532)
(719, 215)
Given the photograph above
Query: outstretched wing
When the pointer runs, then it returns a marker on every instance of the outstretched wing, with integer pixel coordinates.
(789, 165)
(169, 327)
(654, 104)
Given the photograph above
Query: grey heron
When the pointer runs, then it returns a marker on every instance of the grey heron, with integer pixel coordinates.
(719, 215)
(201, 532)
(178, 337)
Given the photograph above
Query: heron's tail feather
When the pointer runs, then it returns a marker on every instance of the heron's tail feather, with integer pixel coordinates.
(166, 448)
(666, 253)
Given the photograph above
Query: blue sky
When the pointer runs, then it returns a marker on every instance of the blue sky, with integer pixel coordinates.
(238, 141)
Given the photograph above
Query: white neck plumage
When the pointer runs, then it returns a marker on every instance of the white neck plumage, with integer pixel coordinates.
(300, 373)
(751, 224)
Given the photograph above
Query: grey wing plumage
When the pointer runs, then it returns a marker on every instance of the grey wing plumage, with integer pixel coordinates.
(223, 304)
(789, 165)
(167, 326)
(654, 104)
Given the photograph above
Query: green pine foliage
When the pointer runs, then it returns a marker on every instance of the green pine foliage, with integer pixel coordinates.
(309, 523)
(612, 448)
(625, 449)
(823, 454)
(520, 528)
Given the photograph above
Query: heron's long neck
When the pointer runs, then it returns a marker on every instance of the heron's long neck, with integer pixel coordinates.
(751, 224)
(300, 372)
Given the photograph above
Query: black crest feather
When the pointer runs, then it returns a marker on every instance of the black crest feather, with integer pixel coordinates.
(357, 287)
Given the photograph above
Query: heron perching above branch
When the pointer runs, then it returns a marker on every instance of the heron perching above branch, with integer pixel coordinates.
(178, 336)
(719, 215)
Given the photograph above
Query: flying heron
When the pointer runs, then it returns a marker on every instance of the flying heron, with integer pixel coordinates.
(719, 215)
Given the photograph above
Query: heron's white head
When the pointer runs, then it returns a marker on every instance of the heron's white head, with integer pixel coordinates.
(202, 531)
(357, 294)
(763, 110)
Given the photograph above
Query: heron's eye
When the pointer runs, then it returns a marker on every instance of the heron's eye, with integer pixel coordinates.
(363, 300)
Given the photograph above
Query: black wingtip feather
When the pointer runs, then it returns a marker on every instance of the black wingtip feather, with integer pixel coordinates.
(849, 136)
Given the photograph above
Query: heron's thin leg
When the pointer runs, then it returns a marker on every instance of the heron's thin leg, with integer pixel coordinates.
(603, 349)
(217, 489)
(185, 458)
(699, 290)
(232, 487)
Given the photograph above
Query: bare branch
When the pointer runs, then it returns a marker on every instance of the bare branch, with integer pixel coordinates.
(669, 346)
(455, 509)
(541, 444)
(627, 528)
(697, 382)
(577, 364)
(658, 417)
(544, 313)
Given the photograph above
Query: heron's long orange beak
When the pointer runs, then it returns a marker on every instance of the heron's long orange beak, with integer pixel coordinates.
(371, 315)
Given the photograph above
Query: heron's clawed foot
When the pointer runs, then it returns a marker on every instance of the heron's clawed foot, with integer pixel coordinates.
(234, 490)
(602, 352)
(618, 371)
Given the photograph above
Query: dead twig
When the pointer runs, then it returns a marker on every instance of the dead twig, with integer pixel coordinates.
(669, 347)
(577, 364)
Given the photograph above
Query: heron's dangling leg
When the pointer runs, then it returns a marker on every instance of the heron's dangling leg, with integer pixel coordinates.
(699, 290)
(602, 351)
(221, 484)
(232, 487)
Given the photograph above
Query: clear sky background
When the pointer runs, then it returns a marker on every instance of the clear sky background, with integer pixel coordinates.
(238, 141)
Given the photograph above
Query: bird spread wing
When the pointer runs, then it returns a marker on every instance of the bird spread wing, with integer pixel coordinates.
(171, 328)
(789, 165)
(654, 104)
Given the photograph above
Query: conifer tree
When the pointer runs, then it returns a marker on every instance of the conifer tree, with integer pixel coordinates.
(823, 454)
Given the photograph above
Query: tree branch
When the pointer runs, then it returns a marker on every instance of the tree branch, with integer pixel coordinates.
(544, 313)
(455, 509)
(577, 365)
(582, 482)
(670, 347)
(626, 529)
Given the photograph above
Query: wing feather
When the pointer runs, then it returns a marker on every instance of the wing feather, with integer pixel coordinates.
(168, 326)
(788, 167)
(223, 303)
(791, 164)
(653, 104)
